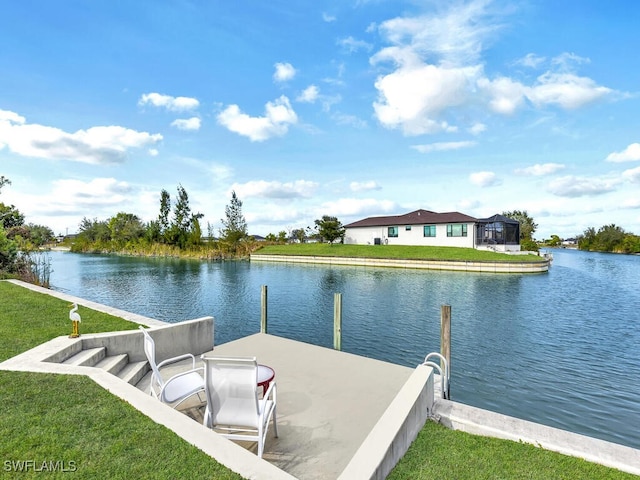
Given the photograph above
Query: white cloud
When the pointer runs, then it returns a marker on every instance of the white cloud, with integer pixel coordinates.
(531, 60)
(275, 189)
(484, 179)
(442, 146)
(437, 60)
(95, 193)
(328, 18)
(414, 98)
(454, 37)
(278, 116)
(96, 145)
(11, 117)
(284, 72)
(364, 186)
(477, 128)
(571, 186)
(629, 154)
(565, 90)
(566, 60)
(351, 120)
(192, 123)
(309, 94)
(356, 207)
(505, 95)
(175, 104)
(352, 45)
(631, 203)
(633, 175)
(538, 169)
(438, 68)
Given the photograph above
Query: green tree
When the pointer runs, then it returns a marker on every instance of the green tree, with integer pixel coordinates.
(234, 224)
(299, 234)
(631, 244)
(587, 240)
(4, 181)
(8, 252)
(124, 228)
(609, 238)
(555, 241)
(527, 225)
(181, 222)
(163, 218)
(93, 232)
(330, 229)
(10, 216)
(40, 234)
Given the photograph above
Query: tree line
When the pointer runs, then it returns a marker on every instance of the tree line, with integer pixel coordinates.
(19, 243)
(609, 238)
(175, 230)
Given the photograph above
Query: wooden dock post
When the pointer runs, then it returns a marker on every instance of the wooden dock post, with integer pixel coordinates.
(263, 310)
(445, 341)
(337, 321)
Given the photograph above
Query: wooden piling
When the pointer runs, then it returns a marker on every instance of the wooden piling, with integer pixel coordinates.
(445, 340)
(263, 310)
(337, 321)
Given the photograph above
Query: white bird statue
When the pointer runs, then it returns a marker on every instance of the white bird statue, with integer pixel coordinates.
(74, 316)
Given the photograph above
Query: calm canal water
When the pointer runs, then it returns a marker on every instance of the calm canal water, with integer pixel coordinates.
(562, 348)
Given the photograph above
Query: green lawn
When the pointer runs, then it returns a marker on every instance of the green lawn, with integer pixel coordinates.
(69, 418)
(29, 319)
(404, 252)
(442, 453)
(71, 422)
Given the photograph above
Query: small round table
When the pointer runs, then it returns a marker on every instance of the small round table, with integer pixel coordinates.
(265, 377)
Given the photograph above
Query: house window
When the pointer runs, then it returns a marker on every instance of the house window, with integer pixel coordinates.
(407, 228)
(393, 232)
(457, 230)
(429, 230)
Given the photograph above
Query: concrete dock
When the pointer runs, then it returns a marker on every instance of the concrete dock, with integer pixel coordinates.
(327, 401)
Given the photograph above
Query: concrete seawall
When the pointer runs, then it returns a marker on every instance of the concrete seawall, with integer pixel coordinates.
(451, 265)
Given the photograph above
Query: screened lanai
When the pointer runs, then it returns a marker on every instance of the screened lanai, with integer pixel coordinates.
(497, 231)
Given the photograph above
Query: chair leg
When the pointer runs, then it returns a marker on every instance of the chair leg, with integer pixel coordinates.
(275, 424)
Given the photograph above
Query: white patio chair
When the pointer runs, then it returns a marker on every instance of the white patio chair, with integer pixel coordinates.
(234, 409)
(179, 387)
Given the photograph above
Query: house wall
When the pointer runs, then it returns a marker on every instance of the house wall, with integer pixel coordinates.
(414, 236)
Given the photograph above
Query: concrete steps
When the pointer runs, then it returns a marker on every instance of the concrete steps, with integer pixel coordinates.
(118, 365)
(87, 358)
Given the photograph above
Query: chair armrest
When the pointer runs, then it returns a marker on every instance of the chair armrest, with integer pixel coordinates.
(188, 372)
(271, 391)
(169, 361)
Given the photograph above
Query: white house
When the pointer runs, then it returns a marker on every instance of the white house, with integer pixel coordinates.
(423, 227)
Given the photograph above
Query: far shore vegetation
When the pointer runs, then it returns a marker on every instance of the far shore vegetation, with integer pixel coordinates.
(71, 419)
(177, 232)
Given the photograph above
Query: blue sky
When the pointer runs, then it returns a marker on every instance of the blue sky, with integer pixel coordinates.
(344, 108)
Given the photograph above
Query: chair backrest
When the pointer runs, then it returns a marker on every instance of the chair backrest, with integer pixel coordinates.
(231, 389)
(150, 352)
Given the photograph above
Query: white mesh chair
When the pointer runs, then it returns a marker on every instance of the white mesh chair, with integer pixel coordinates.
(179, 387)
(234, 409)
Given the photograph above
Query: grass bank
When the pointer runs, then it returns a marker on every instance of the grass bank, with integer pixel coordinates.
(68, 421)
(442, 453)
(403, 252)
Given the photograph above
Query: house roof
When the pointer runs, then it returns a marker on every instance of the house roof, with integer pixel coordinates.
(418, 217)
(498, 218)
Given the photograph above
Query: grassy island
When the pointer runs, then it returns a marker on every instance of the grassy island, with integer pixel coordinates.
(403, 252)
